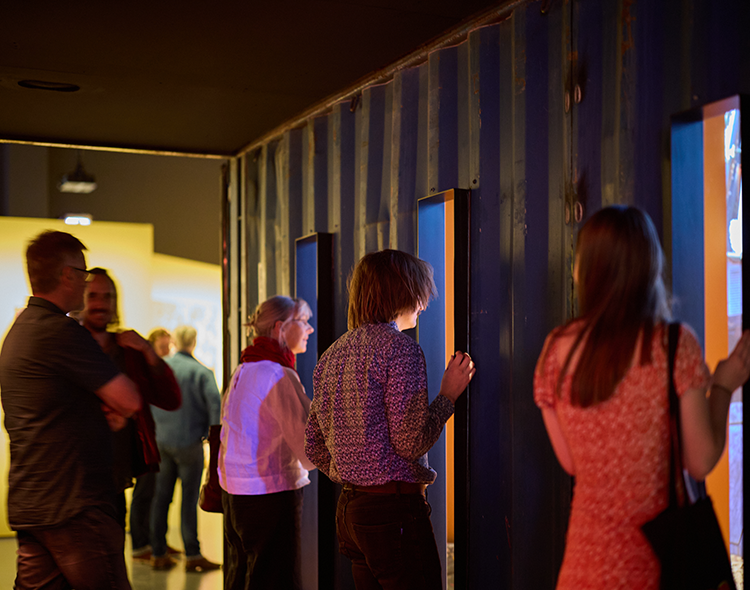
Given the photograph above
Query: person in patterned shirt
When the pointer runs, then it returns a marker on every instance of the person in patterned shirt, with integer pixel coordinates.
(370, 424)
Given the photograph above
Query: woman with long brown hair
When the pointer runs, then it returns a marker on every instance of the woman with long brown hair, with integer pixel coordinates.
(601, 383)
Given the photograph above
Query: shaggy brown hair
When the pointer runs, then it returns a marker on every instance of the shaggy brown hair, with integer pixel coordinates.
(384, 284)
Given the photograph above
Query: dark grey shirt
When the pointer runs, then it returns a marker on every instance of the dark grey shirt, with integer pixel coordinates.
(60, 443)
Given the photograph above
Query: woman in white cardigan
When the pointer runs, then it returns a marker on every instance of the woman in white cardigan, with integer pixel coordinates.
(262, 463)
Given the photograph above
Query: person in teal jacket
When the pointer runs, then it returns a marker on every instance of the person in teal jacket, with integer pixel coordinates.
(179, 436)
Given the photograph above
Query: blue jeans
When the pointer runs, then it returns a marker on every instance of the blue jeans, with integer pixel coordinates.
(390, 541)
(187, 464)
(140, 510)
(85, 553)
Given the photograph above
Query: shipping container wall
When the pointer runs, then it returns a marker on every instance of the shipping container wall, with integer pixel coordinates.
(559, 109)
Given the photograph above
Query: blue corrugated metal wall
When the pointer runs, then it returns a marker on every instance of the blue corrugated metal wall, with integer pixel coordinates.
(562, 107)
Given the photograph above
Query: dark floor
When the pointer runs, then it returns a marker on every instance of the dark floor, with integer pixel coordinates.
(142, 576)
(145, 578)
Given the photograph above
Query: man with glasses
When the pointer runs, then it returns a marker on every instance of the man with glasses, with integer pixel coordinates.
(57, 388)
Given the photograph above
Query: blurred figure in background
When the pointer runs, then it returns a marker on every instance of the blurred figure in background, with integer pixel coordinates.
(161, 342)
(180, 437)
(135, 451)
(143, 493)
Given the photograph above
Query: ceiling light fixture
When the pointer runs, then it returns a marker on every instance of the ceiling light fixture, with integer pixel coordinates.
(78, 219)
(78, 181)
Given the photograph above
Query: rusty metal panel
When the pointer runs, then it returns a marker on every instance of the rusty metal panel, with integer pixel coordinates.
(491, 82)
(443, 120)
(588, 78)
(650, 145)
(249, 229)
(315, 175)
(403, 160)
(288, 220)
(267, 233)
(371, 210)
(342, 207)
(233, 236)
(540, 282)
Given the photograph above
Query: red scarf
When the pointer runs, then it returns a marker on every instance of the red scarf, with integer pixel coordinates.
(268, 349)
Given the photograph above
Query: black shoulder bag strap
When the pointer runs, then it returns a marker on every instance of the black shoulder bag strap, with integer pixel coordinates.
(675, 463)
(694, 489)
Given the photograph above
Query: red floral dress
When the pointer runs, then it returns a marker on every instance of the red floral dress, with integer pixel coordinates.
(620, 452)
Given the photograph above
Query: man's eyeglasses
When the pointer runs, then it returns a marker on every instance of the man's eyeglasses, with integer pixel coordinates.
(89, 276)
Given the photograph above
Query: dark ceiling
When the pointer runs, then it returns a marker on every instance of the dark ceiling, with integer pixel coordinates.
(201, 77)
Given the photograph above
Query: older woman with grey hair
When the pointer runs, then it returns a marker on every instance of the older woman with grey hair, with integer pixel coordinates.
(262, 462)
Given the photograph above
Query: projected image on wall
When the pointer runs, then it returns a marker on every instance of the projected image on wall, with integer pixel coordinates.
(733, 191)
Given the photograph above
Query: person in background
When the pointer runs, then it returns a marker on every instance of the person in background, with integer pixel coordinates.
(179, 436)
(161, 341)
(58, 387)
(371, 424)
(135, 452)
(602, 385)
(143, 492)
(262, 463)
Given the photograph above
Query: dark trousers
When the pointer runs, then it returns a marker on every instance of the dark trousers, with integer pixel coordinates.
(140, 510)
(263, 541)
(85, 553)
(390, 541)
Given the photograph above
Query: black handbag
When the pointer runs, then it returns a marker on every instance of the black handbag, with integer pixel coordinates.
(686, 536)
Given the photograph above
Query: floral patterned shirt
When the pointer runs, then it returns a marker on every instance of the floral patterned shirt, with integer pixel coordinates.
(370, 421)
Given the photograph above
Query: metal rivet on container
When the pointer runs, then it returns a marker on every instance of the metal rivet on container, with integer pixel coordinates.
(579, 211)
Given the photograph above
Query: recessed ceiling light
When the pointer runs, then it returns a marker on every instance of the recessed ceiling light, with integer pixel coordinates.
(46, 85)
